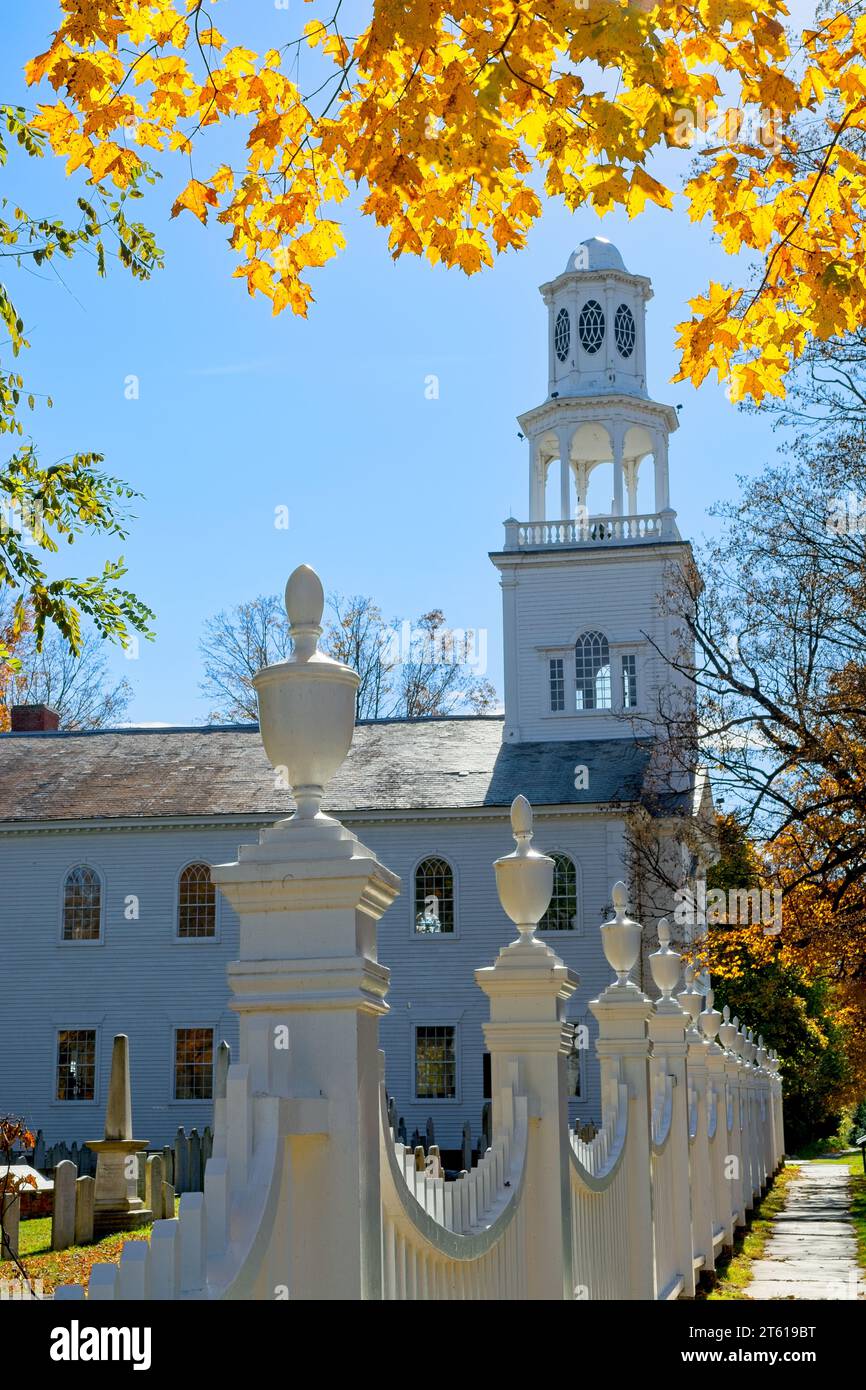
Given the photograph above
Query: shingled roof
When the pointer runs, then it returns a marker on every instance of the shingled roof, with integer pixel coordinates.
(394, 765)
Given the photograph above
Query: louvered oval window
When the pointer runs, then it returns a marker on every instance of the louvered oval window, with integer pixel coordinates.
(624, 330)
(590, 326)
(562, 334)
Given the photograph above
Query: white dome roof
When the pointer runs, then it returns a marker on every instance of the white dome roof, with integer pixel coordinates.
(596, 253)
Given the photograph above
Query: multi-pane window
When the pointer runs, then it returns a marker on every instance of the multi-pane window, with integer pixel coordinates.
(193, 1064)
(629, 682)
(82, 898)
(435, 1063)
(557, 684)
(76, 1064)
(196, 903)
(561, 915)
(592, 671)
(434, 897)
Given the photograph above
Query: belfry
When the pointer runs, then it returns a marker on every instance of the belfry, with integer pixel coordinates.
(584, 640)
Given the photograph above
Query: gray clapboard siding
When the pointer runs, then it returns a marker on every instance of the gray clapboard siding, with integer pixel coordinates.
(142, 981)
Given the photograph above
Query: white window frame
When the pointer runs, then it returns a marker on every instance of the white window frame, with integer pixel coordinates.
(436, 1020)
(196, 940)
(443, 935)
(76, 1027)
(176, 1027)
(568, 935)
(82, 863)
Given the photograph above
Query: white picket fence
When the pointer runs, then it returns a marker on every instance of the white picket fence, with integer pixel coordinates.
(634, 1228)
(309, 1194)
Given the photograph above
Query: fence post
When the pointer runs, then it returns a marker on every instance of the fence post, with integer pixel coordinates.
(529, 1040)
(309, 988)
(701, 1177)
(747, 1118)
(734, 1149)
(623, 1012)
(778, 1122)
(710, 1022)
(667, 1031)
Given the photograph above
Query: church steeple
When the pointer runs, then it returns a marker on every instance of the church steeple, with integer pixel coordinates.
(598, 411)
(584, 633)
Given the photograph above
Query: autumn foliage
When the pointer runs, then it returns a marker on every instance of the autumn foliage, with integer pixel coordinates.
(455, 120)
(805, 988)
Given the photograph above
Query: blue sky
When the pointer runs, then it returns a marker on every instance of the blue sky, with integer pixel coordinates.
(389, 493)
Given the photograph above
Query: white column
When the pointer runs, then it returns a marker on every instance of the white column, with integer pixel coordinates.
(529, 1040)
(564, 437)
(617, 435)
(632, 488)
(660, 456)
(536, 482)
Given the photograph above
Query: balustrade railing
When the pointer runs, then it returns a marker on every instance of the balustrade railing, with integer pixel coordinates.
(591, 531)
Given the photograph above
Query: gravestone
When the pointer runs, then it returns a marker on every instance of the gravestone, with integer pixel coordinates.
(153, 1185)
(118, 1206)
(63, 1219)
(85, 1193)
(167, 1201)
(11, 1216)
(195, 1174)
(181, 1161)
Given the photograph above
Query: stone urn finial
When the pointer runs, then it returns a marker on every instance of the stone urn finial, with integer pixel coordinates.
(524, 878)
(690, 999)
(710, 1019)
(307, 703)
(620, 938)
(726, 1029)
(664, 963)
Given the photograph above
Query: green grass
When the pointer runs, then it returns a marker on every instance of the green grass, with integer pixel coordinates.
(735, 1274)
(34, 1237)
(70, 1266)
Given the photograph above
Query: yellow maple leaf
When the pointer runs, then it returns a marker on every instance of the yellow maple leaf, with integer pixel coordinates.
(196, 197)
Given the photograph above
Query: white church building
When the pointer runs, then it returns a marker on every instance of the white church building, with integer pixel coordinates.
(111, 923)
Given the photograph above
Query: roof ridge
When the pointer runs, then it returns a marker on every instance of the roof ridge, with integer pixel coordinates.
(250, 728)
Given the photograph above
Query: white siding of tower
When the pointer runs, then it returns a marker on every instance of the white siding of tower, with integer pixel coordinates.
(551, 600)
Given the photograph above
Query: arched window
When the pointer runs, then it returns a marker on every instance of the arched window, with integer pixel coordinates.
(434, 897)
(196, 902)
(561, 915)
(592, 671)
(82, 904)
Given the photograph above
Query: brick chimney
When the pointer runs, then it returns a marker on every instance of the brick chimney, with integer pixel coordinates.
(33, 719)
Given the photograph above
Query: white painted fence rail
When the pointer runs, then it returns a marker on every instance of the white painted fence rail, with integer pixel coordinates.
(308, 1194)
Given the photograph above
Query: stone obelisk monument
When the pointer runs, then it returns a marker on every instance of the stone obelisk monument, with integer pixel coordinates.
(118, 1206)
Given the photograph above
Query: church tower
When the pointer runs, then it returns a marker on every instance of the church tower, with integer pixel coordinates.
(583, 625)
